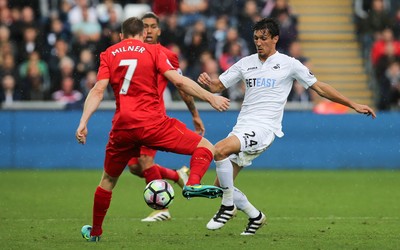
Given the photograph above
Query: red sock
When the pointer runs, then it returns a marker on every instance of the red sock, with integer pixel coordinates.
(199, 164)
(152, 173)
(102, 200)
(168, 174)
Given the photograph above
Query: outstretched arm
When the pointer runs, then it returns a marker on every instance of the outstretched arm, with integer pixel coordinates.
(213, 85)
(190, 87)
(92, 102)
(327, 91)
(197, 122)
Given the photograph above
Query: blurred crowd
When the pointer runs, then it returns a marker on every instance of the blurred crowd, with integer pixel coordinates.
(49, 49)
(378, 30)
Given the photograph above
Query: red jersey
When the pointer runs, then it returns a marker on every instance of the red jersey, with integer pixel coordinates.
(132, 68)
(162, 81)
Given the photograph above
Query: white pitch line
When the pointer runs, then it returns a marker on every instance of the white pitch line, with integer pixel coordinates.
(200, 218)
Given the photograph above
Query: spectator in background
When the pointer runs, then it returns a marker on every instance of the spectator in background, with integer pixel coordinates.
(377, 20)
(85, 64)
(9, 91)
(227, 8)
(385, 38)
(192, 11)
(396, 24)
(31, 42)
(87, 83)
(6, 42)
(108, 8)
(389, 88)
(7, 67)
(164, 8)
(385, 60)
(33, 84)
(86, 33)
(67, 94)
(232, 54)
(172, 33)
(196, 42)
(232, 36)
(76, 15)
(34, 58)
(219, 34)
(246, 19)
(298, 93)
(26, 19)
(57, 53)
(280, 6)
(57, 30)
(289, 31)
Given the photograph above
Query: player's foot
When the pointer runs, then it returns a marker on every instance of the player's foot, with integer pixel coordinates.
(183, 173)
(85, 231)
(158, 215)
(198, 190)
(224, 214)
(255, 224)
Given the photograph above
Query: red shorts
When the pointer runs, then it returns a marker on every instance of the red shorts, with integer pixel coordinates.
(143, 151)
(171, 135)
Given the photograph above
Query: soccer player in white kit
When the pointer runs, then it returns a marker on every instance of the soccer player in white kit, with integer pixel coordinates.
(268, 76)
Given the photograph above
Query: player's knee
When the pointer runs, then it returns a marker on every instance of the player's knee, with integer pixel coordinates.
(135, 170)
(145, 162)
(220, 153)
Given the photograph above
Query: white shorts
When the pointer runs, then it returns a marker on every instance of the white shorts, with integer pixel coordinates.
(253, 141)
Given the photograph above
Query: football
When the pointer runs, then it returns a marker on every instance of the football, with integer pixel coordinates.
(158, 194)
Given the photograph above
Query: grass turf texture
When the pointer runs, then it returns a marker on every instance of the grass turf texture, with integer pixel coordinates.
(305, 209)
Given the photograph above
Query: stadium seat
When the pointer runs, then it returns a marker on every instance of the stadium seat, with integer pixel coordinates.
(136, 10)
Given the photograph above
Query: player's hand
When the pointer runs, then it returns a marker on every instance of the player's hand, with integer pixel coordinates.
(81, 133)
(204, 79)
(364, 109)
(220, 103)
(198, 125)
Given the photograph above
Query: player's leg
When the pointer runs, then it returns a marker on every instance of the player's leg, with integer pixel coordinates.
(101, 203)
(174, 136)
(118, 153)
(226, 173)
(256, 218)
(145, 167)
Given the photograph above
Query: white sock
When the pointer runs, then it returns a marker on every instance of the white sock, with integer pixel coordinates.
(242, 203)
(224, 170)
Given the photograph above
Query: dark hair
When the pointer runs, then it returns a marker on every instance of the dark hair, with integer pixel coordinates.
(267, 24)
(132, 27)
(151, 15)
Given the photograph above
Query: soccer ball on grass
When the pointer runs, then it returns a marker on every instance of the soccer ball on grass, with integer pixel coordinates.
(158, 194)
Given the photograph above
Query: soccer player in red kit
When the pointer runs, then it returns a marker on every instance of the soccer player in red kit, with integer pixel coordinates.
(144, 166)
(131, 67)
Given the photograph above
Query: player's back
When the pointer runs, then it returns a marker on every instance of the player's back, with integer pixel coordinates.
(133, 68)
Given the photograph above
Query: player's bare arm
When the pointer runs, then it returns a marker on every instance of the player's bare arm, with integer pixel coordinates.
(197, 122)
(213, 85)
(327, 91)
(190, 87)
(92, 102)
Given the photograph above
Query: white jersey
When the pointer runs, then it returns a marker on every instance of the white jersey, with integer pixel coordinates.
(268, 85)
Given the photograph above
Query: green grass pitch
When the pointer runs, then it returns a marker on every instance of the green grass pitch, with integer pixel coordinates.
(306, 210)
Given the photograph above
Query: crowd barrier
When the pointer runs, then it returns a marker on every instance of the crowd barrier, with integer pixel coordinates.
(45, 139)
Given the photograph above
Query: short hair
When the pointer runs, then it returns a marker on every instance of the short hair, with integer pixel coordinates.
(151, 15)
(132, 26)
(267, 24)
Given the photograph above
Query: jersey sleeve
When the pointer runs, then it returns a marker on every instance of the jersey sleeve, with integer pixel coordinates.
(104, 69)
(232, 75)
(162, 62)
(302, 74)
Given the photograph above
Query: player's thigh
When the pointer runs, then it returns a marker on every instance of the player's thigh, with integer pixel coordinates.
(120, 149)
(172, 136)
(226, 147)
